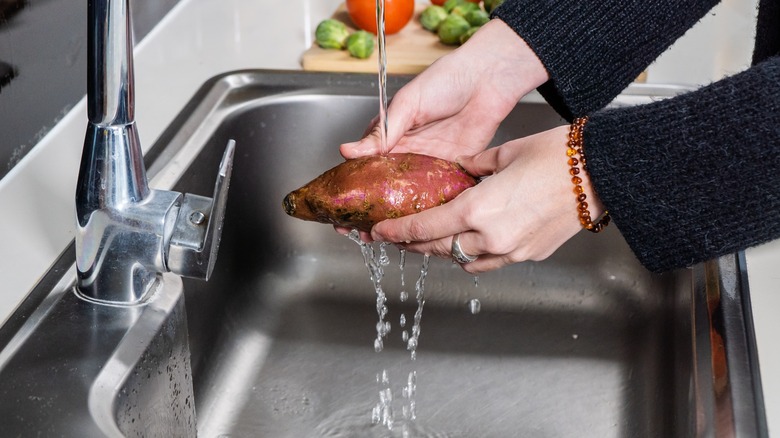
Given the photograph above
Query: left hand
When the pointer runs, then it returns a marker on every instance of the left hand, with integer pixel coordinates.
(524, 210)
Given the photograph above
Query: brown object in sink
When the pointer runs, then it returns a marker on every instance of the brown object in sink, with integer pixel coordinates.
(364, 191)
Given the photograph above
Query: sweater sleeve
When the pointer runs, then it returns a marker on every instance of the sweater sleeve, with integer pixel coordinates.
(594, 49)
(696, 176)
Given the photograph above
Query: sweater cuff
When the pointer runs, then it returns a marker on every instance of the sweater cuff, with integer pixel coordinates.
(594, 49)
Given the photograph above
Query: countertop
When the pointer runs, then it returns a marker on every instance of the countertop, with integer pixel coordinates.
(201, 38)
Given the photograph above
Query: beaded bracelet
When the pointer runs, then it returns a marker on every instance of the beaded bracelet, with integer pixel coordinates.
(573, 148)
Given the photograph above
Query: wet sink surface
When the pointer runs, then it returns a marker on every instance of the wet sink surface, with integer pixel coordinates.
(282, 336)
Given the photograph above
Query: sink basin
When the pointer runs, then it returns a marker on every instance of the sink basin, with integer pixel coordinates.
(280, 341)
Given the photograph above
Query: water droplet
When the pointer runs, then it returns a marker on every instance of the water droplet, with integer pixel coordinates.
(475, 306)
(384, 259)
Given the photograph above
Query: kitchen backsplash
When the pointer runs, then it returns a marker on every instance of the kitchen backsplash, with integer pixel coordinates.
(43, 66)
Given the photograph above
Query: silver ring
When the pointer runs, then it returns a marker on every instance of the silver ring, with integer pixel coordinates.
(457, 253)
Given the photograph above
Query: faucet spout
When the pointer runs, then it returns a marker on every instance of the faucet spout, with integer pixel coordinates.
(110, 82)
(125, 230)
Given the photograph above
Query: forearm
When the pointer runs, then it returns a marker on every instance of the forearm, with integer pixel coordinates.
(696, 176)
(593, 49)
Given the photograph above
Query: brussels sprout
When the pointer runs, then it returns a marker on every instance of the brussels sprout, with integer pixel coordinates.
(331, 34)
(360, 44)
(477, 17)
(465, 37)
(491, 5)
(432, 17)
(452, 28)
(464, 8)
(449, 5)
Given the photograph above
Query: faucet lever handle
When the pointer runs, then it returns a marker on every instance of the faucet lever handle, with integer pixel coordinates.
(194, 243)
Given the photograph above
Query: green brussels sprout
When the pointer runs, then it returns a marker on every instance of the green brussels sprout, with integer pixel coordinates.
(491, 5)
(360, 44)
(331, 34)
(452, 28)
(449, 5)
(465, 37)
(464, 8)
(477, 17)
(432, 16)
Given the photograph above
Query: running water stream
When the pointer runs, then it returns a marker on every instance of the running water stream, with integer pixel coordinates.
(380, 38)
(383, 412)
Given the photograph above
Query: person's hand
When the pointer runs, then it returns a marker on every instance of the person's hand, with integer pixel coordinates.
(524, 210)
(454, 107)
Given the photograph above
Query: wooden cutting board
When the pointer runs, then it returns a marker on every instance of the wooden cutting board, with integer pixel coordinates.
(409, 51)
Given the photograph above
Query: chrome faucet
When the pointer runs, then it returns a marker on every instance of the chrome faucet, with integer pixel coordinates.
(128, 234)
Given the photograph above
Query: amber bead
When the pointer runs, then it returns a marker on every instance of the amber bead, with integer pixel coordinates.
(574, 148)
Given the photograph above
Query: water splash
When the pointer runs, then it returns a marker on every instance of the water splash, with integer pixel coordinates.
(419, 287)
(383, 413)
(375, 265)
(383, 410)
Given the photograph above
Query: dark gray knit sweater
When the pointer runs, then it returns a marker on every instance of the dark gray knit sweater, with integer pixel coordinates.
(685, 179)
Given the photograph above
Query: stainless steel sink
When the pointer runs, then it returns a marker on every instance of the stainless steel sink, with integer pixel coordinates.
(280, 342)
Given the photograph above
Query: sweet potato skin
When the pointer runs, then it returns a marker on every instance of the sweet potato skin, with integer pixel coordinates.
(361, 192)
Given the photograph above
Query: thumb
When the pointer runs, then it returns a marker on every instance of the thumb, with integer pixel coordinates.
(484, 163)
(368, 145)
(402, 116)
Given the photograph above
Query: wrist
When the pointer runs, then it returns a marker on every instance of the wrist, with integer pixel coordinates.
(508, 57)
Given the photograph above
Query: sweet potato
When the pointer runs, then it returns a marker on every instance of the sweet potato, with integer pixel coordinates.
(361, 192)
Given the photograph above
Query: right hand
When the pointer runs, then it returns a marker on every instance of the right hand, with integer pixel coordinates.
(495, 220)
(454, 107)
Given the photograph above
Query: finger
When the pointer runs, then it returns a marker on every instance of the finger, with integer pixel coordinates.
(441, 248)
(371, 125)
(368, 145)
(484, 163)
(485, 263)
(402, 115)
(435, 223)
(344, 231)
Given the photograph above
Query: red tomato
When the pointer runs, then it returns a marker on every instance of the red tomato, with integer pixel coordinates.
(397, 14)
